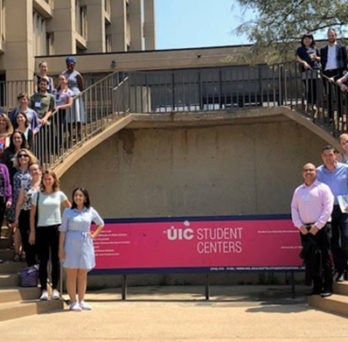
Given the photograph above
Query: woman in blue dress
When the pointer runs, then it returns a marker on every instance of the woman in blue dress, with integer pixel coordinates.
(75, 116)
(76, 248)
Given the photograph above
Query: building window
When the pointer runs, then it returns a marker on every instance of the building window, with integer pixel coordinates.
(107, 6)
(2, 22)
(39, 34)
(81, 19)
(49, 43)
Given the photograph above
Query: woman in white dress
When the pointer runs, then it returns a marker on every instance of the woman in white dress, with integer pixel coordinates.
(76, 248)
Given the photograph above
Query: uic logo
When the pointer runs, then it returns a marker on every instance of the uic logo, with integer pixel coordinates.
(179, 233)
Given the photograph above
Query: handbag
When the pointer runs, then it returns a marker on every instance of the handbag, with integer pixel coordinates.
(28, 276)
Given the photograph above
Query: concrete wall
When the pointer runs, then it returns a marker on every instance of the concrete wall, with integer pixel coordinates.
(244, 168)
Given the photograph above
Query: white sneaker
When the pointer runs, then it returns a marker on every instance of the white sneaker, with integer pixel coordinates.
(74, 306)
(55, 294)
(44, 295)
(85, 306)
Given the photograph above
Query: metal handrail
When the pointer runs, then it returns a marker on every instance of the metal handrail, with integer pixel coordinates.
(226, 88)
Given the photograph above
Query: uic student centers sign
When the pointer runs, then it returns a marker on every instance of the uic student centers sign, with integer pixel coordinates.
(224, 243)
(209, 239)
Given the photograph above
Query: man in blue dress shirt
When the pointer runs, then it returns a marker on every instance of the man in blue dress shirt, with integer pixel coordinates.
(335, 175)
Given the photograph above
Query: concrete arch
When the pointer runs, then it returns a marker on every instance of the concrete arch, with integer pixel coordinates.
(243, 162)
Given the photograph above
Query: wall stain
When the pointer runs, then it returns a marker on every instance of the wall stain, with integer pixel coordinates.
(127, 137)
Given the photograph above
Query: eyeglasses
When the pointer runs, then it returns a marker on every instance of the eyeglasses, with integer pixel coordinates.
(23, 155)
(308, 170)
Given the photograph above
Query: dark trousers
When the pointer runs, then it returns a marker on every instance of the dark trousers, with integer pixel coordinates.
(47, 240)
(311, 91)
(59, 124)
(320, 263)
(339, 240)
(333, 93)
(24, 228)
(2, 211)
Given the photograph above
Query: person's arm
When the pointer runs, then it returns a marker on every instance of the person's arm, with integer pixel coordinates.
(99, 222)
(30, 138)
(327, 200)
(66, 204)
(66, 105)
(50, 111)
(295, 215)
(300, 59)
(341, 83)
(19, 204)
(61, 251)
(35, 123)
(80, 82)
(62, 232)
(52, 83)
(32, 224)
(7, 187)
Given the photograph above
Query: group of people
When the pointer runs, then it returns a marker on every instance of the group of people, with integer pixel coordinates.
(319, 209)
(57, 110)
(329, 63)
(31, 198)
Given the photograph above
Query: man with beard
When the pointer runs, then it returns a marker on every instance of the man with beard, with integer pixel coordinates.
(311, 208)
(333, 62)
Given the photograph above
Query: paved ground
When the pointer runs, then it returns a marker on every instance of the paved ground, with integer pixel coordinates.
(234, 313)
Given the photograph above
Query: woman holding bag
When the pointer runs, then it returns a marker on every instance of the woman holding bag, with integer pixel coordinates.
(47, 203)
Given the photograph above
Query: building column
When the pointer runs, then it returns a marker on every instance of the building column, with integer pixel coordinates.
(136, 25)
(149, 25)
(64, 24)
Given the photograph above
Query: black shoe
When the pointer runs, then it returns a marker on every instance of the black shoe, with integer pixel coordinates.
(339, 277)
(326, 293)
(314, 293)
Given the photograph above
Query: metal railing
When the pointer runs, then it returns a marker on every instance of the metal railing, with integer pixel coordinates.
(102, 103)
(190, 90)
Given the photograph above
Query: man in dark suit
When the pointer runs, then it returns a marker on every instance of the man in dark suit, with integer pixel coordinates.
(333, 62)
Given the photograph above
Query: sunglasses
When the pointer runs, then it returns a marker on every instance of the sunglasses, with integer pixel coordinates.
(23, 155)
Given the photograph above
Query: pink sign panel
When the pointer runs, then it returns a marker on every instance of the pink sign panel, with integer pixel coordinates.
(217, 245)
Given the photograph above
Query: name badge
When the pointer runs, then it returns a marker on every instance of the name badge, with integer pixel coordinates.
(37, 104)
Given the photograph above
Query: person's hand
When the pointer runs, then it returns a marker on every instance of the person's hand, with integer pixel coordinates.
(331, 80)
(307, 66)
(314, 230)
(343, 87)
(61, 254)
(303, 230)
(43, 121)
(8, 204)
(32, 238)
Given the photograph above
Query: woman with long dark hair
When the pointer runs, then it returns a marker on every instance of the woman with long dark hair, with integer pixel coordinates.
(76, 248)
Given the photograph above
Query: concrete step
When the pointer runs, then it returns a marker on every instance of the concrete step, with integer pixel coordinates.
(11, 267)
(5, 243)
(9, 280)
(17, 309)
(341, 288)
(336, 304)
(6, 254)
(18, 294)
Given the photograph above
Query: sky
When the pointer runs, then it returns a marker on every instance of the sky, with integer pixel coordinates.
(197, 23)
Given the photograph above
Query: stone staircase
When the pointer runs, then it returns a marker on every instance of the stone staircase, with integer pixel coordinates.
(18, 301)
(336, 304)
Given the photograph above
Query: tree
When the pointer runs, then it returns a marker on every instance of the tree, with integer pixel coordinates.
(278, 25)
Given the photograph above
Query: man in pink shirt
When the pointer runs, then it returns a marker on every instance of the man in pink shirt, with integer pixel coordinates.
(311, 209)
